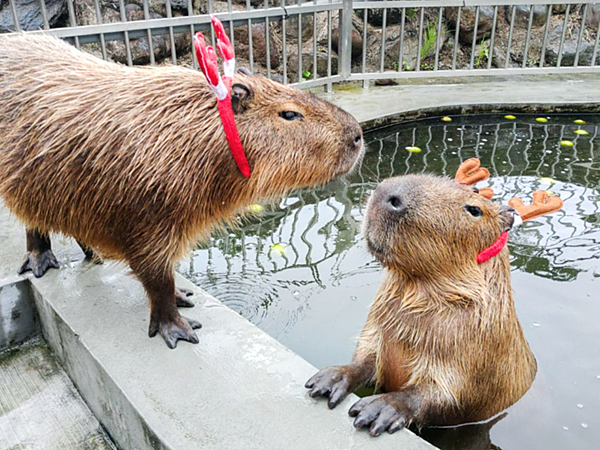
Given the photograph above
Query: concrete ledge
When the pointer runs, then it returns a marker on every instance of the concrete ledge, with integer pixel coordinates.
(237, 389)
(381, 106)
(18, 319)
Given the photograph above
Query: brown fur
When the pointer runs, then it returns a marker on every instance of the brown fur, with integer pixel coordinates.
(442, 335)
(134, 161)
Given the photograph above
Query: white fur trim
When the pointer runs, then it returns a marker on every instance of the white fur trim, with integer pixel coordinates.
(220, 90)
(229, 68)
(517, 221)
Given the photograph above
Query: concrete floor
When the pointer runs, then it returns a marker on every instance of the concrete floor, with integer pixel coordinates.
(413, 99)
(40, 409)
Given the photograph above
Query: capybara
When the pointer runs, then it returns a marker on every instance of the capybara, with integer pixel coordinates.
(133, 161)
(442, 339)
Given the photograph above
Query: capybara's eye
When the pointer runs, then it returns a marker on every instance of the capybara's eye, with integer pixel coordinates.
(290, 115)
(474, 210)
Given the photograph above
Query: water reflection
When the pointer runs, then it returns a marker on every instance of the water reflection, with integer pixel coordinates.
(312, 291)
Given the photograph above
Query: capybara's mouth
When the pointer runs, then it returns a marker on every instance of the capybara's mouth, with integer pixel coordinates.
(374, 248)
(351, 163)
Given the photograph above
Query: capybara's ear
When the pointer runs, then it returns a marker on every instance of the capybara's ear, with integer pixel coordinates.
(240, 97)
(541, 204)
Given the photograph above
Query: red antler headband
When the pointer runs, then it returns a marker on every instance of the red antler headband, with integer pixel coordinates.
(207, 59)
(470, 172)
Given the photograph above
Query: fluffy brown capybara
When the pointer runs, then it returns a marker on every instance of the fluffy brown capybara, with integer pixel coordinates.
(134, 162)
(442, 338)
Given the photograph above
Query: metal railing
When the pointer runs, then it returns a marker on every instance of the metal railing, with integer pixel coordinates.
(320, 42)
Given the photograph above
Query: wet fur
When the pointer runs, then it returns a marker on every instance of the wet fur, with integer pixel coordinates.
(442, 331)
(133, 161)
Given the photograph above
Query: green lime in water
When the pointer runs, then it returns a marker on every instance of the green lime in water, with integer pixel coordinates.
(509, 117)
(414, 149)
(579, 122)
(566, 143)
(541, 120)
(278, 248)
(581, 132)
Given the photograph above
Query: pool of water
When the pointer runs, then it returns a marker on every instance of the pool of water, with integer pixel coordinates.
(300, 269)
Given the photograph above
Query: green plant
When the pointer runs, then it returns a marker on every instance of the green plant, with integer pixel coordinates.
(306, 75)
(405, 66)
(412, 13)
(483, 55)
(429, 40)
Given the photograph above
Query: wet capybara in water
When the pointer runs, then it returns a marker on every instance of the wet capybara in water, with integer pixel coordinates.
(133, 161)
(442, 338)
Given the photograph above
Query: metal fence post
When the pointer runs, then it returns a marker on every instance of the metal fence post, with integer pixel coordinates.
(345, 44)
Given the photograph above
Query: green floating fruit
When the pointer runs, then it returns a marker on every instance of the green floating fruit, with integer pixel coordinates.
(541, 120)
(579, 122)
(566, 143)
(414, 149)
(510, 117)
(256, 208)
(278, 248)
(446, 119)
(581, 132)
(546, 180)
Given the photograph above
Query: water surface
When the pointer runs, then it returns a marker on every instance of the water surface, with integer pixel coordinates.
(301, 272)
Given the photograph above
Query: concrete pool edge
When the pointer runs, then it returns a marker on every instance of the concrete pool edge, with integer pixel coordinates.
(382, 106)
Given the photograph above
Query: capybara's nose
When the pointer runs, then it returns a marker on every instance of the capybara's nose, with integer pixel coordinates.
(395, 204)
(354, 136)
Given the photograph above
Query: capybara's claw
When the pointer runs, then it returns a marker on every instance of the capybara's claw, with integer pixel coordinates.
(173, 331)
(39, 263)
(380, 413)
(181, 297)
(332, 382)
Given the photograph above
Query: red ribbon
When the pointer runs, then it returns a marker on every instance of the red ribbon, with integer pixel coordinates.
(494, 249)
(207, 60)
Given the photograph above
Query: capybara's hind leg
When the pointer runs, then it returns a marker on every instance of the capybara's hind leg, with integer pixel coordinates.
(39, 256)
(90, 253)
(182, 297)
(164, 316)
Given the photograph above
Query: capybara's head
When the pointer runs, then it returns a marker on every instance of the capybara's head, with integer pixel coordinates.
(292, 138)
(428, 225)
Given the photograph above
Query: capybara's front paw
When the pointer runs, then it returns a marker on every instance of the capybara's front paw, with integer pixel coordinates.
(380, 413)
(333, 382)
(174, 330)
(39, 262)
(181, 297)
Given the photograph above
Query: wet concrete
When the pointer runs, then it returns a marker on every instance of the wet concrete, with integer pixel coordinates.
(40, 408)
(379, 106)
